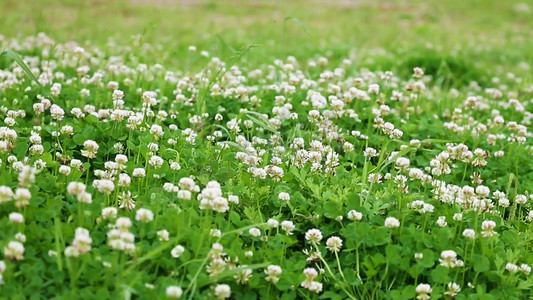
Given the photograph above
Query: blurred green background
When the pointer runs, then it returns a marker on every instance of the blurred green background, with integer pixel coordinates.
(382, 34)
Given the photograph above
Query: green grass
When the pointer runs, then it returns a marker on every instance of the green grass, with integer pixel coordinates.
(293, 142)
(467, 30)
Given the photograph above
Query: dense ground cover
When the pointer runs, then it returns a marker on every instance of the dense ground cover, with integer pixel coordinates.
(271, 153)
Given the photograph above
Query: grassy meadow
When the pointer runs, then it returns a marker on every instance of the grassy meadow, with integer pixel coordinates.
(161, 149)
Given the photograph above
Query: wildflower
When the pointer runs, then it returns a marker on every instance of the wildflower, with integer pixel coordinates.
(14, 251)
(16, 217)
(20, 237)
(288, 227)
(469, 233)
(65, 170)
(177, 251)
(184, 195)
(243, 275)
(355, 215)
(109, 213)
(524, 268)
(215, 233)
(233, 199)
(155, 161)
(373, 89)
(126, 201)
(273, 272)
(163, 235)
(273, 223)
(139, 172)
(441, 221)
(370, 152)
(511, 267)
(392, 222)
(452, 289)
(285, 197)
(423, 290)
(374, 178)
(6, 194)
(91, 147)
(313, 236)
(105, 186)
(144, 215)
(448, 258)
(488, 228)
(81, 243)
(75, 188)
(255, 232)
(174, 291)
(309, 283)
(419, 255)
(334, 244)
(520, 199)
(418, 72)
(222, 291)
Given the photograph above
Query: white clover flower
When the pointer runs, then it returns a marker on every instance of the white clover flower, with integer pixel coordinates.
(334, 244)
(309, 283)
(75, 188)
(448, 258)
(215, 233)
(163, 235)
(255, 232)
(469, 233)
(156, 161)
(423, 290)
(184, 195)
(174, 291)
(452, 289)
(355, 215)
(273, 223)
(392, 222)
(373, 89)
(91, 147)
(487, 227)
(418, 72)
(20, 237)
(14, 250)
(144, 215)
(139, 172)
(177, 251)
(233, 199)
(285, 197)
(65, 170)
(520, 199)
(526, 269)
(222, 291)
(16, 217)
(243, 275)
(273, 272)
(109, 212)
(287, 226)
(123, 223)
(511, 267)
(419, 255)
(6, 194)
(313, 236)
(441, 221)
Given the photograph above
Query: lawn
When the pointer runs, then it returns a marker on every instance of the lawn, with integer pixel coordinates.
(266, 149)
